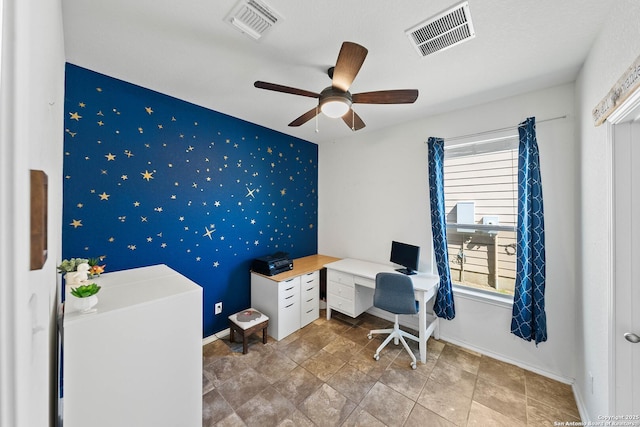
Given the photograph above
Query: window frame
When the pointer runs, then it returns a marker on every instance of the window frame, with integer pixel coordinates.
(505, 140)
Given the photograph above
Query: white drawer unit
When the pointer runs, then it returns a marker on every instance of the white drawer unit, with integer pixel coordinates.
(309, 297)
(278, 300)
(291, 299)
(344, 296)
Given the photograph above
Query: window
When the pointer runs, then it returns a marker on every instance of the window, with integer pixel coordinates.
(481, 203)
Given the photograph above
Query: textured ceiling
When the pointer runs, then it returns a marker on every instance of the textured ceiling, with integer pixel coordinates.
(185, 49)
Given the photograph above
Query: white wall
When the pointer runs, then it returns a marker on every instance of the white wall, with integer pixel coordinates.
(31, 134)
(617, 46)
(373, 188)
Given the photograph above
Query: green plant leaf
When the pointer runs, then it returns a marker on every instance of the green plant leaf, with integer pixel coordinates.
(85, 291)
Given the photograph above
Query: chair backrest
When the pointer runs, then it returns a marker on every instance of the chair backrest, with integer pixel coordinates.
(394, 293)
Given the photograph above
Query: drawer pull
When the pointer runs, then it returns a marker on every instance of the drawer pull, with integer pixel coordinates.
(289, 297)
(290, 279)
(309, 300)
(310, 289)
(289, 305)
(309, 311)
(288, 289)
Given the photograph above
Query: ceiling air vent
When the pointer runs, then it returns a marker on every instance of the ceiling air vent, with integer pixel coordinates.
(442, 31)
(253, 18)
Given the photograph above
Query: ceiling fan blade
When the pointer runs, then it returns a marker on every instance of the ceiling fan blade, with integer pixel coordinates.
(305, 117)
(401, 96)
(285, 89)
(349, 61)
(353, 120)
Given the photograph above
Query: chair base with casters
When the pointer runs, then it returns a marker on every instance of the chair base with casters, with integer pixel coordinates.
(397, 335)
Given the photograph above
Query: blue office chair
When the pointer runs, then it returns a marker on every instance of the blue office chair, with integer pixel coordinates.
(394, 293)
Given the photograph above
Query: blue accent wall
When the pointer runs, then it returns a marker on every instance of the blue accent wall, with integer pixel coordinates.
(152, 179)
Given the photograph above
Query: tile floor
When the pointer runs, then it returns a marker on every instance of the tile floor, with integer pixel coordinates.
(325, 375)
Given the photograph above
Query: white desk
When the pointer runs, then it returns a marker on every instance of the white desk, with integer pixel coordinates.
(350, 285)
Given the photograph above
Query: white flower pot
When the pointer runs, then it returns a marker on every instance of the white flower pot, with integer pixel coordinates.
(85, 305)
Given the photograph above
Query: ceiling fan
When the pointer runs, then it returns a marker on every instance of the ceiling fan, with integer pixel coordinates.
(336, 100)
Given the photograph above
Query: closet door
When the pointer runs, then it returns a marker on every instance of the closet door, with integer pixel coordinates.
(626, 158)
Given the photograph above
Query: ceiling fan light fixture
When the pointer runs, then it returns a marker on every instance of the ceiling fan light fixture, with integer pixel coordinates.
(334, 103)
(334, 108)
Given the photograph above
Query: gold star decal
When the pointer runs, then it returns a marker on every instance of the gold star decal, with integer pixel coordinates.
(269, 150)
(283, 191)
(82, 104)
(136, 204)
(159, 126)
(110, 157)
(100, 123)
(76, 223)
(75, 116)
(148, 109)
(104, 196)
(208, 233)
(128, 153)
(147, 175)
(99, 89)
(80, 205)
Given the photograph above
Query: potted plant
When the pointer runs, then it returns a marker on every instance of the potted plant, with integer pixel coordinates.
(85, 297)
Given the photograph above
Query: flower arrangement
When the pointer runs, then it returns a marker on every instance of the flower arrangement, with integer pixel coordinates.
(95, 269)
(71, 265)
(85, 291)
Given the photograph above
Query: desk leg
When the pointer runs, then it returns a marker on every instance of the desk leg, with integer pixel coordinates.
(328, 312)
(422, 327)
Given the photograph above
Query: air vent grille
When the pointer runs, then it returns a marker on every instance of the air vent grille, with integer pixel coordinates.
(253, 18)
(442, 31)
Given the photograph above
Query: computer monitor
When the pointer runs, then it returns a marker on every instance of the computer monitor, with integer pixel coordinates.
(406, 255)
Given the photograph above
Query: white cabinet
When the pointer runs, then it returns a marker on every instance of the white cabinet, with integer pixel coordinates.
(309, 297)
(137, 360)
(290, 299)
(344, 296)
(278, 300)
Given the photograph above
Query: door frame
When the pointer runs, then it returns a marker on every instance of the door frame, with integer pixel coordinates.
(628, 111)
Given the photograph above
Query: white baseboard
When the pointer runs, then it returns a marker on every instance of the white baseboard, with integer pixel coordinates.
(218, 335)
(582, 408)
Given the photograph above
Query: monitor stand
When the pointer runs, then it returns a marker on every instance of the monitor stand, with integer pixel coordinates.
(405, 271)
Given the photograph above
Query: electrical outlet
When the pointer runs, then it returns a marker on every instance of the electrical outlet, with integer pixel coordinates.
(218, 307)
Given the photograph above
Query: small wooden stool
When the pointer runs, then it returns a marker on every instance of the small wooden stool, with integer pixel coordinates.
(246, 323)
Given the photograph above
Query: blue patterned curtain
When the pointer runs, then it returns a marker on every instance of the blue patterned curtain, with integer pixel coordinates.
(529, 320)
(443, 305)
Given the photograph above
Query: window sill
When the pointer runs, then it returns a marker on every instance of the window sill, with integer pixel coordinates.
(483, 296)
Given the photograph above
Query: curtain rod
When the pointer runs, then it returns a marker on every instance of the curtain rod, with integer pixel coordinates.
(455, 138)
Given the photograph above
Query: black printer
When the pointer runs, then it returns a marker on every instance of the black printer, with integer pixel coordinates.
(271, 265)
